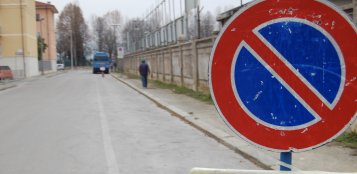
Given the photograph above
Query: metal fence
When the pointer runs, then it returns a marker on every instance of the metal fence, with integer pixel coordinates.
(163, 36)
(160, 26)
(47, 65)
(68, 63)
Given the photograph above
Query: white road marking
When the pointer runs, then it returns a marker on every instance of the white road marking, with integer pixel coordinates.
(108, 147)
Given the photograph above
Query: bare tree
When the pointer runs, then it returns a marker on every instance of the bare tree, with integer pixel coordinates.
(124, 30)
(93, 26)
(207, 24)
(71, 19)
(112, 31)
(155, 20)
(218, 10)
(100, 29)
(191, 24)
(62, 46)
(228, 7)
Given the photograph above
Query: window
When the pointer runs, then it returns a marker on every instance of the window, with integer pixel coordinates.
(4, 68)
(101, 58)
(37, 17)
(38, 34)
(0, 50)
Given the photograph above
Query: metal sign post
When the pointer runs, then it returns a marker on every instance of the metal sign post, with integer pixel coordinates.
(285, 157)
(284, 82)
(120, 57)
(16, 64)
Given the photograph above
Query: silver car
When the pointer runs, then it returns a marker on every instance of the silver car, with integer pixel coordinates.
(60, 66)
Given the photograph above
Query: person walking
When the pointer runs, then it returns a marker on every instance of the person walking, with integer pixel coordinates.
(115, 66)
(144, 72)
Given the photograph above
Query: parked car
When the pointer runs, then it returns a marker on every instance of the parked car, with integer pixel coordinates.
(6, 73)
(60, 66)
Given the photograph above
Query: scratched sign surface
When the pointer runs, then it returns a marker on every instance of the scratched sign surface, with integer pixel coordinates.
(283, 73)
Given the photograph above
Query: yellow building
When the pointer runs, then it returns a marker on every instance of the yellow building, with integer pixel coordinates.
(45, 12)
(18, 34)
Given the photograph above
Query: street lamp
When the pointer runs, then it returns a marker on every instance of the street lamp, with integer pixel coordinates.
(146, 45)
(71, 51)
(43, 73)
(114, 25)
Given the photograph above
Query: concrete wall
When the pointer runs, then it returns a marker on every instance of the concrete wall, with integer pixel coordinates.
(187, 64)
(350, 7)
(17, 65)
(184, 64)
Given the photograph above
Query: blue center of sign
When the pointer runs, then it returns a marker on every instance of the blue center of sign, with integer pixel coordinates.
(310, 52)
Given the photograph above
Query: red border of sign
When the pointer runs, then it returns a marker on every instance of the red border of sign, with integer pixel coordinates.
(239, 28)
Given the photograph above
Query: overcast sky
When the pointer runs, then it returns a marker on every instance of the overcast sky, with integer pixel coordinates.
(136, 8)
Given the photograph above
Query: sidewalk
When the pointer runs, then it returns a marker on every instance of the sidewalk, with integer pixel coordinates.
(330, 158)
(13, 83)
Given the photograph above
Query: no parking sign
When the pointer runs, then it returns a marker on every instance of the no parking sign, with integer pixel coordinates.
(283, 73)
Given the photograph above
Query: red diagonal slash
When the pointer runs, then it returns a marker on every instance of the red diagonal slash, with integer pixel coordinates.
(286, 74)
(333, 121)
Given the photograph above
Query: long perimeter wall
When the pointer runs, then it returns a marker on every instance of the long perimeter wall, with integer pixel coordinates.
(184, 64)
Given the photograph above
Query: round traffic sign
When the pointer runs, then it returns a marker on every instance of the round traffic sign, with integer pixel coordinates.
(283, 73)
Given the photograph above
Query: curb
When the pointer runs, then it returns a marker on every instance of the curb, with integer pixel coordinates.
(243, 148)
(10, 85)
(2, 88)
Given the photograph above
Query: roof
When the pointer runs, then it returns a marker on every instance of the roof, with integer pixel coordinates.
(226, 15)
(101, 54)
(46, 5)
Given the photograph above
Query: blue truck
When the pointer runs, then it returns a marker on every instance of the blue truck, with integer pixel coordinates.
(101, 62)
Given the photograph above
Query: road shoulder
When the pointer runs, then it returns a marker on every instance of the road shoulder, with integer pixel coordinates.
(241, 147)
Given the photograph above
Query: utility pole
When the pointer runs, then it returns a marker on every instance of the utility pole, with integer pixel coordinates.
(114, 25)
(195, 14)
(43, 73)
(115, 38)
(199, 21)
(23, 40)
(174, 19)
(71, 51)
(187, 34)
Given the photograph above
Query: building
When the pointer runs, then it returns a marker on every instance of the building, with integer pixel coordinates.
(45, 12)
(18, 35)
(349, 6)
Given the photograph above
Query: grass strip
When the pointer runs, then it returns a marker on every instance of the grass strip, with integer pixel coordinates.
(348, 139)
(178, 89)
(183, 90)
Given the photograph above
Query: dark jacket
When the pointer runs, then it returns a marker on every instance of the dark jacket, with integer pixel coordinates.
(144, 69)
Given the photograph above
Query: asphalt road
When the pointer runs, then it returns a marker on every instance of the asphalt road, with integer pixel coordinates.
(82, 123)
